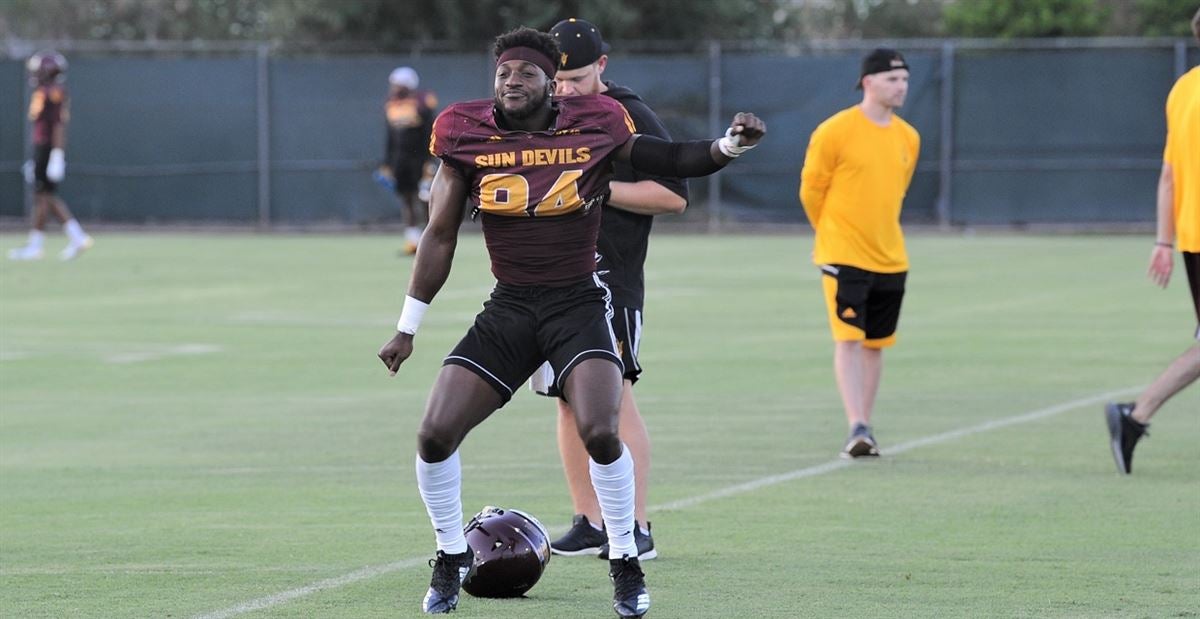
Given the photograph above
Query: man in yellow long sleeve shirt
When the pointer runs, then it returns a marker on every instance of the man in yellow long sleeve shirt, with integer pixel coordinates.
(1178, 228)
(857, 169)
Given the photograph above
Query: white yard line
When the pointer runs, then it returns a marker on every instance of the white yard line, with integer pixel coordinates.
(368, 573)
(935, 439)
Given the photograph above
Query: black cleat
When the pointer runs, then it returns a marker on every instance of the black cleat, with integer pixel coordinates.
(630, 598)
(1124, 432)
(861, 443)
(581, 539)
(645, 544)
(449, 572)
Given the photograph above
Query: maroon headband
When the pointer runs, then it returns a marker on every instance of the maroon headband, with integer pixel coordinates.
(528, 54)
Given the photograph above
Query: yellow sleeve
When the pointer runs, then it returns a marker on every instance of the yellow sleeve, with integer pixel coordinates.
(913, 156)
(819, 163)
(1167, 112)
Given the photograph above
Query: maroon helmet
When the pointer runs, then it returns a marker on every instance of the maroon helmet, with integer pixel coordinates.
(511, 551)
(47, 67)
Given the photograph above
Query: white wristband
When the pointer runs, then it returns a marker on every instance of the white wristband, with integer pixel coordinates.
(731, 145)
(411, 315)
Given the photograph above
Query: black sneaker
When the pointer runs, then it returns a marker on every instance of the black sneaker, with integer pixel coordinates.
(861, 443)
(581, 539)
(645, 544)
(1124, 432)
(449, 572)
(630, 598)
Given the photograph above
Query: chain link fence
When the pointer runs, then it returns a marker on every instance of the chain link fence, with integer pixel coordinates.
(1013, 133)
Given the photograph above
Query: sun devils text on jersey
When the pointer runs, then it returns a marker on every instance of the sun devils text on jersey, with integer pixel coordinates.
(539, 193)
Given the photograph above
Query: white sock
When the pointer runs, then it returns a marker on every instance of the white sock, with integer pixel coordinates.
(440, 484)
(412, 234)
(74, 231)
(614, 491)
(35, 239)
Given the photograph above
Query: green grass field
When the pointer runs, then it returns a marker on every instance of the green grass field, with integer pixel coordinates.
(197, 426)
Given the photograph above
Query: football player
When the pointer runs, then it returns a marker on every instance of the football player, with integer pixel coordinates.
(536, 170)
(48, 111)
(409, 113)
(621, 255)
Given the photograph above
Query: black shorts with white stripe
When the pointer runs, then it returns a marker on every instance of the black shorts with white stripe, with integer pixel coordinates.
(627, 325)
(522, 326)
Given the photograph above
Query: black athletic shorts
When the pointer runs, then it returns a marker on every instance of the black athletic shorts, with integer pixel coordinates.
(863, 305)
(41, 159)
(522, 326)
(627, 326)
(407, 173)
(1191, 261)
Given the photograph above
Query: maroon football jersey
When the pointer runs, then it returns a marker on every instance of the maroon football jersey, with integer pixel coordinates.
(47, 108)
(533, 188)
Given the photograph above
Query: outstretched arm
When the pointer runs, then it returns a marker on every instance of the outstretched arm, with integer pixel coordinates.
(435, 253)
(694, 158)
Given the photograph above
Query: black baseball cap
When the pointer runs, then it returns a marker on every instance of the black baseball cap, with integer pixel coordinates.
(580, 43)
(881, 60)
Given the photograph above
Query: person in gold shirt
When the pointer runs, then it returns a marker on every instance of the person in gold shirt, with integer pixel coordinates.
(1178, 228)
(409, 114)
(856, 172)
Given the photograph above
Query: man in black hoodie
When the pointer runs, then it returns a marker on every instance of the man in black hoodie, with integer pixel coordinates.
(621, 253)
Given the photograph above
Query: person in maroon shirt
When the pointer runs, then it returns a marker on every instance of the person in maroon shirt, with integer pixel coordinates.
(48, 111)
(536, 170)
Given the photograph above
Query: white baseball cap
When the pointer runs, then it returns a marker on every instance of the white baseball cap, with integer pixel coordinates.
(405, 77)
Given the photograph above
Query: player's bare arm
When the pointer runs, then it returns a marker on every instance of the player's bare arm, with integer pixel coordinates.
(694, 158)
(434, 256)
(447, 195)
(645, 198)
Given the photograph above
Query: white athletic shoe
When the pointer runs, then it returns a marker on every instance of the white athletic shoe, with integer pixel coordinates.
(72, 251)
(25, 253)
